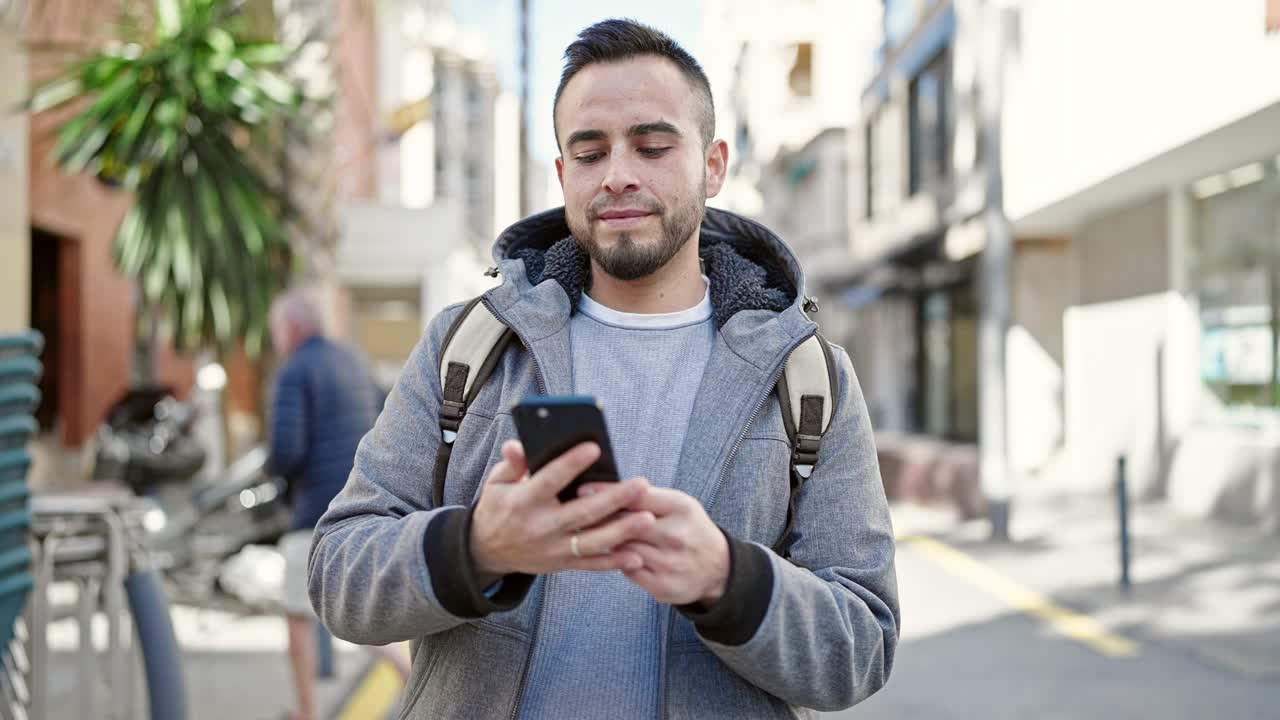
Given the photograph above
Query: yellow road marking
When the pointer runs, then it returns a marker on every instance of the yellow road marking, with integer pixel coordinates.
(1078, 627)
(375, 695)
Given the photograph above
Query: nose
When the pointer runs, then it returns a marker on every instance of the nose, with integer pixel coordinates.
(619, 176)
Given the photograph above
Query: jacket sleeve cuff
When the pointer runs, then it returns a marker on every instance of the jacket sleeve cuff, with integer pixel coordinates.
(447, 547)
(738, 614)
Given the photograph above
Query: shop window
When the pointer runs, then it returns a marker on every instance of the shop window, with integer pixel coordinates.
(928, 120)
(1238, 283)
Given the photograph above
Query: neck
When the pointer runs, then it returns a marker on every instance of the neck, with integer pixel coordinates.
(674, 287)
(300, 341)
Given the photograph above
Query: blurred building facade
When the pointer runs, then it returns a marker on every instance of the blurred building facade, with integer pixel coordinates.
(785, 81)
(779, 77)
(56, 232)
(1141, 191)
(442, 175)
(422, 172)
(15, 241)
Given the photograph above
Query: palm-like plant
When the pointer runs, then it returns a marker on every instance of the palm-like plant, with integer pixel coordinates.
(181, 115)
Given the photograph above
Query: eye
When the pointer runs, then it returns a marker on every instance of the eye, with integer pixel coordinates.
(654, 152)
(588, 158)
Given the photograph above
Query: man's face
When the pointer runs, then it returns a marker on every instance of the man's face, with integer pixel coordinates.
(633, 168)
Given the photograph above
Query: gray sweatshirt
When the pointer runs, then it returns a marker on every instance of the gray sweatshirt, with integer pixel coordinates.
(598, 649)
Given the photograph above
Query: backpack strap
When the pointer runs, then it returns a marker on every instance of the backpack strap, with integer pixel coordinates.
(471, 350)
(806, 391)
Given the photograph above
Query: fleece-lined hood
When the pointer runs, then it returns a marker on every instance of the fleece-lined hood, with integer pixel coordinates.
(750, 268)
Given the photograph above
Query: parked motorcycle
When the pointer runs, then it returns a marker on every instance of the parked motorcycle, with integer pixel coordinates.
(195, 520)
(147, 441)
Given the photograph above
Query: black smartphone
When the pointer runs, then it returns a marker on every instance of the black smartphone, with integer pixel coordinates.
(550, 425)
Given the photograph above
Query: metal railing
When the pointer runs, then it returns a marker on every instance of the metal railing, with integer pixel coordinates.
(94, 543)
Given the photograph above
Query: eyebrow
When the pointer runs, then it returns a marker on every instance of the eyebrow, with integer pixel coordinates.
(578, 136)
(649, 128)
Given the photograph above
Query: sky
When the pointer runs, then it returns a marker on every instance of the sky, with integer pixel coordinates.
(554, 23)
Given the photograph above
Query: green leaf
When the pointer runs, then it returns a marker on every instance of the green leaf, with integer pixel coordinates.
(129, 240)
(157, 273)
(221, 42)
(192, 317)
(79, 159)
(251, 220)
(221, 310)
(54, 94)
(182, 259)
(168, 17)
(169, 112)
(100, 70)
(116, 96)
(127, 146)
(276, 87)
(262, 53)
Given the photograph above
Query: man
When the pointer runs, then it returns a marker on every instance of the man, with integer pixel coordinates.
(658, 596)
(325, 401)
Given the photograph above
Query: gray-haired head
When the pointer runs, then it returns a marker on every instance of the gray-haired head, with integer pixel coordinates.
(295, 318)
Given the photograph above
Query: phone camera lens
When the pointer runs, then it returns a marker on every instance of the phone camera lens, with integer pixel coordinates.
(543, 413)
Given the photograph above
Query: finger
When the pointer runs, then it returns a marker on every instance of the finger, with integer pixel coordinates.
(647, 579)
(512, 467)
(590, 489)
(666, 535)
(513, 452)
(557, 474)
(655, 559)
(585, 512)
(665, 501)
(604, 538)
(624, 561)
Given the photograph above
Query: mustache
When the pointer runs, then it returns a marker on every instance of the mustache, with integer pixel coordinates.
(605, 204)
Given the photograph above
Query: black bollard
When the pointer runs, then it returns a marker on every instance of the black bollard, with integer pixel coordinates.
(1122, 499)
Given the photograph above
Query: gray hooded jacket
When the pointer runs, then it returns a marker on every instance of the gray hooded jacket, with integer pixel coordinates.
(816, 630)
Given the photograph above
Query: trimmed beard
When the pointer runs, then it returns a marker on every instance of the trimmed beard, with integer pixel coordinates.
(628, 259)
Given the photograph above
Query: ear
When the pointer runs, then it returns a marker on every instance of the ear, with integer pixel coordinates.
(717, 167)
(560, 171)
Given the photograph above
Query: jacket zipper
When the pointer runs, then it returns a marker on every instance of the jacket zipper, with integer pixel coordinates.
(528, 657)
(715, 492)
(537, 371)
(537, 623)
(711, 500)
(663, 644)
(773, 381)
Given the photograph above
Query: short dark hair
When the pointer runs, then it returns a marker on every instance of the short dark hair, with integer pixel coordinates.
(619, 39)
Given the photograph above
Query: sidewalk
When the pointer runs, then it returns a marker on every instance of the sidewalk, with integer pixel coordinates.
(1207, 589)
(236, 666)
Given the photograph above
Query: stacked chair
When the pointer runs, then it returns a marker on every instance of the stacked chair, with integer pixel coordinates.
(19, 396)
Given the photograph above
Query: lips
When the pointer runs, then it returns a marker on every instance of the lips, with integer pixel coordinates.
(623, 214)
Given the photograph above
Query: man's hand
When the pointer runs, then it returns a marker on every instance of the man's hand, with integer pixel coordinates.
(520, 526)
(686, 557)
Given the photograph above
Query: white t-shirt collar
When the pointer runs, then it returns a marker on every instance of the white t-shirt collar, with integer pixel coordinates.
(648, 321)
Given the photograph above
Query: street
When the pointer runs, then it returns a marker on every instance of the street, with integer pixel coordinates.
(967, 654)
(1035, 628)
(1031, 629)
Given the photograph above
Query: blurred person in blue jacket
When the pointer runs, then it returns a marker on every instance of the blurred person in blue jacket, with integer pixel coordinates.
(325, 402)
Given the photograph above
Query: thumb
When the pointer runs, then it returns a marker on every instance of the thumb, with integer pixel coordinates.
(514, 466)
